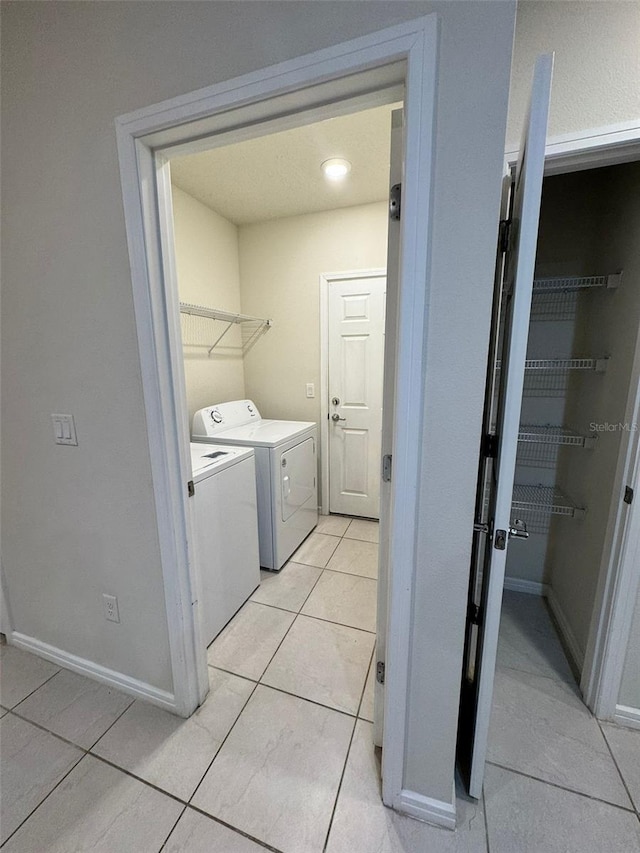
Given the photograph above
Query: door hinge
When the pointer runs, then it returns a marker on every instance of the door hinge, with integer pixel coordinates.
(191, 489)
(628, 495)
(490, 445)
(503, 234)
(473, 613)
(395, 198)
(481, 527)
(386, 468)
(380, 672)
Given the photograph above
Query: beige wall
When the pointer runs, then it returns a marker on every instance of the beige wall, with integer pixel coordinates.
(208, 269)
(281, 262)
(596, 77)
(280, 266)
(80, 521)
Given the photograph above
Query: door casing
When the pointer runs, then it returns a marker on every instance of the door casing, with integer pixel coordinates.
(396, 63)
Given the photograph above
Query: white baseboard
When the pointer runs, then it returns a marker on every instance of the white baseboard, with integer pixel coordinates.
(132, 686)
(423, 808)
(571, 644)
(626, 716)
(530, 587)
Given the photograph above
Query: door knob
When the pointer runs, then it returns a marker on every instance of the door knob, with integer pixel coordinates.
(336, 417)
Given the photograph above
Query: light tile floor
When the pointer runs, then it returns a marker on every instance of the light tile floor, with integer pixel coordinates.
(280, 756)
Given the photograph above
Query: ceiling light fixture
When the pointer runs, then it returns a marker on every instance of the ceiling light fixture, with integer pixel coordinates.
(336, 169)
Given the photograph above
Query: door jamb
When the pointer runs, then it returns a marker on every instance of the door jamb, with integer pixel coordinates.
(326, 279)
(618, 582)
(140, 136)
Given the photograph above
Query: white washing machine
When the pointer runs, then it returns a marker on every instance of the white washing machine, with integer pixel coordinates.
(286, 472)
(226, 522)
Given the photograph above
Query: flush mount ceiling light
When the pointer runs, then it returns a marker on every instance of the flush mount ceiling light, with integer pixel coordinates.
(336, 169)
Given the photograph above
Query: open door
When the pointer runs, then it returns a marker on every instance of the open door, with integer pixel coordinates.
(388, 402)
(503, 399)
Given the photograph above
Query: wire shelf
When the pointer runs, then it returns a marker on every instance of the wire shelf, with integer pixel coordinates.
(198, 331)
(557, 436)
(576, 282)
(535, 505)
(554, 305)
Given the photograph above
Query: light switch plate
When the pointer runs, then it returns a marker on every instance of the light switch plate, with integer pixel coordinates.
(64, 429)
(311, 390)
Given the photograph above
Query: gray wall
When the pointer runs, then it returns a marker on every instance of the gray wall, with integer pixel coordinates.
(81, 521)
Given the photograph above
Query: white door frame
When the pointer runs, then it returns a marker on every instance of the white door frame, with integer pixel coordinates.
(326, 279)
(618, 582)
(400, 56)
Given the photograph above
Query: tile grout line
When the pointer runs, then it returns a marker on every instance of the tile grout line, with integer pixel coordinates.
(38, 687)
(617, 766)
(339, 788)
(486, 821)
(366, 678)
(318, 618)
(561, 787)
(256, 684)
(55, 787)
(179, 818)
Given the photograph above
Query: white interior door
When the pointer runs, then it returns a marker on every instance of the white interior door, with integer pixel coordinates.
(512, 303)
(388, 407)
(356, 347)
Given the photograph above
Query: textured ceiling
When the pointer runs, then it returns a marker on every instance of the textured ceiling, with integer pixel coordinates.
(279, 175)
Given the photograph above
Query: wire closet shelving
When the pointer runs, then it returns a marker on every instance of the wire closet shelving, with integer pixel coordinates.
(198, 329)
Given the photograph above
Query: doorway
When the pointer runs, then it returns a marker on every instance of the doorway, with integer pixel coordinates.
(296, 93)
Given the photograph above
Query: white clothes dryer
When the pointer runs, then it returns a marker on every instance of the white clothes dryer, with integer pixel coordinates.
(286, 472)
(226, 530)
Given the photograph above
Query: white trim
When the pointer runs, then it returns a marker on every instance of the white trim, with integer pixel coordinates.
(590, 148)
(131, 686)
(570, 642)
(326, 278)
(334, 74)
(437, 812)
(618, 580)
(626, 716)
(530, 587)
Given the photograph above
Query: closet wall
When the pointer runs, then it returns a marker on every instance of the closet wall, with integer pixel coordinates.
(566, 246)
(208, 269)
(608, 323)
(589, 226)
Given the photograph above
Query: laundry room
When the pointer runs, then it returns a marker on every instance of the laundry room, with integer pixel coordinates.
(272, 248)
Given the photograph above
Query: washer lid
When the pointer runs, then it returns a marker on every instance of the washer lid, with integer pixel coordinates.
(265, 433)
(207, 459)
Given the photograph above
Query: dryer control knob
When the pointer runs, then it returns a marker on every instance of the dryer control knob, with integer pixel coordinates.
(216, 417)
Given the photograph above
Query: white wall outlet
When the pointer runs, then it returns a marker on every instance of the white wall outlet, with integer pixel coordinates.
(110, 603)
(64, 429)
(311, 389)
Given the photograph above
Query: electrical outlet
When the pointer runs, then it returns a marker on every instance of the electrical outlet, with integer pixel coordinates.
(311, 391)
(111, 608)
